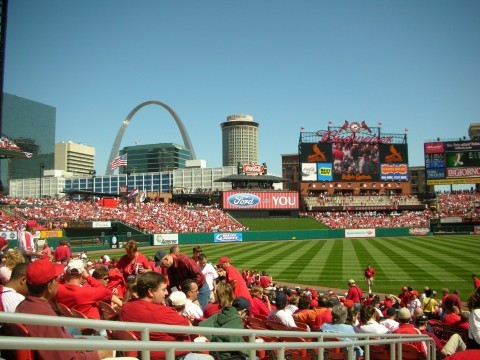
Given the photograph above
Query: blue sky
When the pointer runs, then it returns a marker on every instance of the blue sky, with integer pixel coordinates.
(289, 64)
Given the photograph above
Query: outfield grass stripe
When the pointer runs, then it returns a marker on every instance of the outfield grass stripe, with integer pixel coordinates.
(313, 266)
(435, 261)
(292, 260)
(352, 265)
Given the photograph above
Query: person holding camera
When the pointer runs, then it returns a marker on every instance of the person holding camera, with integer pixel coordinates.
(260, 301)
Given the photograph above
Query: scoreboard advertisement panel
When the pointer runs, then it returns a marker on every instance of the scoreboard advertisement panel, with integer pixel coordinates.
(353, 153)
(452, 162)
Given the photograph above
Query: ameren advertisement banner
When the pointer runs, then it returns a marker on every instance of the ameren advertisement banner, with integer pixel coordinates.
(260, 200)
(165, 239)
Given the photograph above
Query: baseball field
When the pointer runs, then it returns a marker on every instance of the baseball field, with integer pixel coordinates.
(418, 261)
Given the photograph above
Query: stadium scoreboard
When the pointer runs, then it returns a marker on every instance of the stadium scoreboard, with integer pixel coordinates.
(354, 152)
(452, 162)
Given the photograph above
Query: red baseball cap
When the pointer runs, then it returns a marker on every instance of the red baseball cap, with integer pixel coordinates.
(42, 271)
(223, 260)
(32, 223)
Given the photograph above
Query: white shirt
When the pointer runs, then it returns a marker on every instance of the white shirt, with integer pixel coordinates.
(22, 244)
(390, 324)
(291, 308)
(192, 309)
(413, 304)
(374, 327)
(474, 325)
(11, 299)
(210, 274)
(282, 317)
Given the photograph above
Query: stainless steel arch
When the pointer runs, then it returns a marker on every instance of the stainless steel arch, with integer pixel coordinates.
(118, 139)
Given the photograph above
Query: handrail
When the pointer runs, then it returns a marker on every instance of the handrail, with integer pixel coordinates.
(145, 345)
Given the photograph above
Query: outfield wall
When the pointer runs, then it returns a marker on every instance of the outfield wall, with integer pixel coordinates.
(94, 243)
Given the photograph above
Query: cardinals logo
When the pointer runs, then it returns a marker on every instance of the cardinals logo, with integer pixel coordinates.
(394, 155)
(318, 156)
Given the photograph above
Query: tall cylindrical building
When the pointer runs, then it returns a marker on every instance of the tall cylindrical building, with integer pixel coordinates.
(239, 140)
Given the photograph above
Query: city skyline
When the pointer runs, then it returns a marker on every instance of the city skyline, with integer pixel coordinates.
(406, 65)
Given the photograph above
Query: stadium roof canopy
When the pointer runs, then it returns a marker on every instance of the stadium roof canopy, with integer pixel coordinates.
(8, 154)
(251, 178)
(89, 193)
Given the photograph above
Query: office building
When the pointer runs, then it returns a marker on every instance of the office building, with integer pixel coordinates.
(31, 126)
(239, 140)
(474, 131)
(154, 158)
(187, 180)
(77, 159)
(290, 172)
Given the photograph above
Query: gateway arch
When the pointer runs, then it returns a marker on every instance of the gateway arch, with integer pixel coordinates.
(121, 132)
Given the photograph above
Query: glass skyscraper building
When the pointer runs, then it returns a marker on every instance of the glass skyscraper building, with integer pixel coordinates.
(30, 125)
(154, 157)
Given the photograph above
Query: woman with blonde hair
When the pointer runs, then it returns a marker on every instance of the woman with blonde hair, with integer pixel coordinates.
(11, 258)
(260, 301)
(133, 262)
(223, 298)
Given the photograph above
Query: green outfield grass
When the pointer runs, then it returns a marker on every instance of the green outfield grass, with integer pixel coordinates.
(283, 224)
(434, 261)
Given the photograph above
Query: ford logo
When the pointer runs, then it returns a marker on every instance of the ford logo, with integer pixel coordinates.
(243, 200)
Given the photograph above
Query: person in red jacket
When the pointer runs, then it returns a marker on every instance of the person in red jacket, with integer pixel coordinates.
(150, 308)
(354, 293)
(369, 277)
(405, 327)
(41, 278)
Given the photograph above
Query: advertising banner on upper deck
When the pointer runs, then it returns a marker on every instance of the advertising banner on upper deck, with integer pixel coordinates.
(260, 200)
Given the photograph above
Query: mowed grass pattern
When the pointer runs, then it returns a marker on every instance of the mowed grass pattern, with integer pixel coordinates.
(434, 261)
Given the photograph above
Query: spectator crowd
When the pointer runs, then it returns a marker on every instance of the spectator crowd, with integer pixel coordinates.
(174, 288)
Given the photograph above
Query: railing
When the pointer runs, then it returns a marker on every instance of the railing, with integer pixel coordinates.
(145, 345)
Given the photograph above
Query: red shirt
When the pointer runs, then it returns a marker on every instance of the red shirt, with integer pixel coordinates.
(410, 329)
(84, 298)
(354, 294)
(369, 273)
(137, 310)
(210, 309)
(452, 319)
(3, 242)
(476, 282)
(117, 281)
(61, 252)
(184, 269)
(38, 306)
(265, 282)
(323, 317)
(240, 287)
(128, 266)
(260, 307)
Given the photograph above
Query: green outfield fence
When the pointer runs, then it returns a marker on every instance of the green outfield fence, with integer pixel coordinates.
(93, 243)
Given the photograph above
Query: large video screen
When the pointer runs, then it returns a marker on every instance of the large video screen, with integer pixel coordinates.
(350, 161)
(452, 162)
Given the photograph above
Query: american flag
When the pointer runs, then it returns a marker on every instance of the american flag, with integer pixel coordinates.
(118, 161)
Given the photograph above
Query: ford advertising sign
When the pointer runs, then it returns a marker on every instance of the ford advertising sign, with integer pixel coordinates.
(260, 200)
(243, 200)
